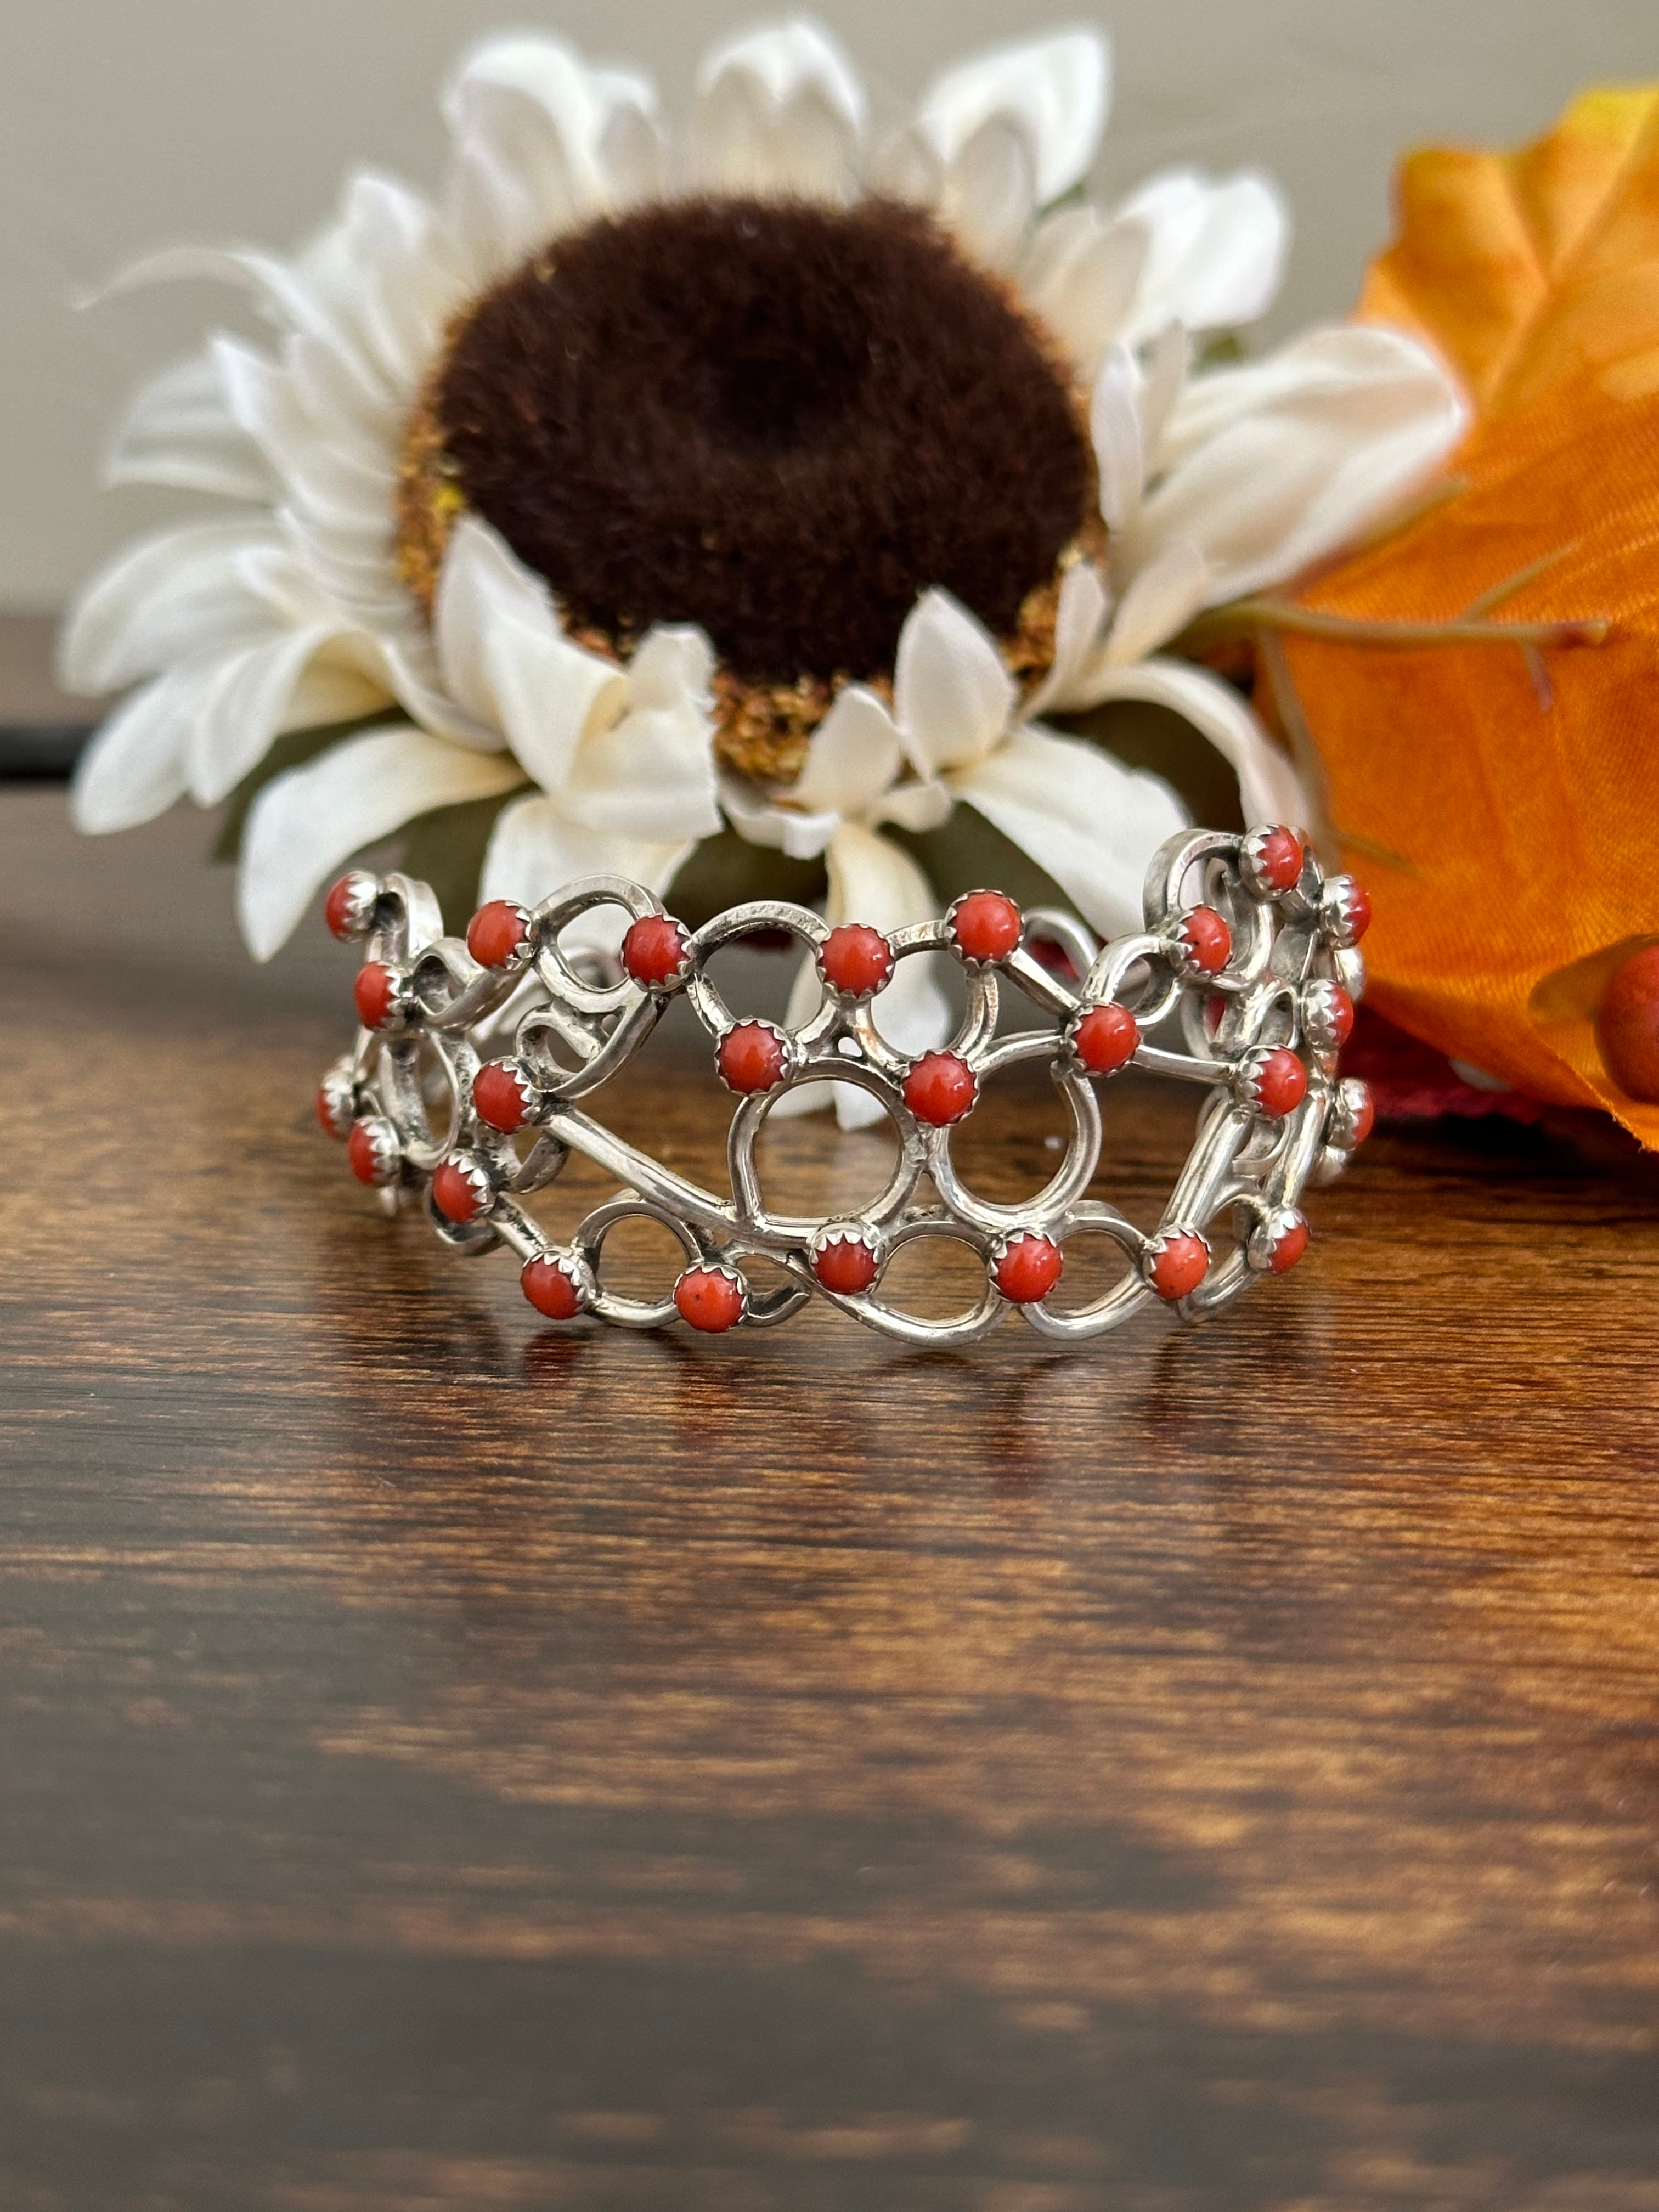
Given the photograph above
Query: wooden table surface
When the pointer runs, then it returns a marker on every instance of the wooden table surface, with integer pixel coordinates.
(449, 1767)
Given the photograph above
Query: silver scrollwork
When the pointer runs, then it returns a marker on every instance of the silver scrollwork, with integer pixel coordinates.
(1243, 983)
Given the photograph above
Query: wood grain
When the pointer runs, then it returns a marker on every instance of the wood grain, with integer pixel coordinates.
(457, 1767)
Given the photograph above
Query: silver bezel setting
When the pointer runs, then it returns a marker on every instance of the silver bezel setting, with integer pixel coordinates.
(1336, 909)
(786, 1045)
(1269, 1234)
(380, 1133)
(973, 960)
(1319, 1017)
(576, 1272)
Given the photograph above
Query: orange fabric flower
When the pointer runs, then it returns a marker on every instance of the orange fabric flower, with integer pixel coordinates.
(1501, 801)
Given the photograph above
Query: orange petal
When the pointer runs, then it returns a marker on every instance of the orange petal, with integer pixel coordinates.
(1502, 804)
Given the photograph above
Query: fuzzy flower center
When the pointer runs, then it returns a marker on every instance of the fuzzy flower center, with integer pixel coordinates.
(779, 421)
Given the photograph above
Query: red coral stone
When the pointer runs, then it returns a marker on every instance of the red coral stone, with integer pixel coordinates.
(654, 951)
(1209, 940)
(845, 1265)
(1363, 1114)
(1278, 855)
(1029, 1269)
(856, 960)
(363, 1155)
(1279, 1082)
(986, 925)
(1627, 1024)
(333, 1111)
(752, 1057)
(343, 906)
(455, 1194)
(1180, 1263)
(496, 932)
(1330, 1015)
(1289, 1248)
(1106, 1038)
(376, 993)
(500, 1096)
(1347, 909)
(709, 1299)
(551, 1290)
(940, 1089)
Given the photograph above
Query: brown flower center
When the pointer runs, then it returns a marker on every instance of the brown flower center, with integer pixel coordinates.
(779, 421)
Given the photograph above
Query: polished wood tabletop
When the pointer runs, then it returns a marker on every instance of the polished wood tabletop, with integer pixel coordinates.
(451, 1765)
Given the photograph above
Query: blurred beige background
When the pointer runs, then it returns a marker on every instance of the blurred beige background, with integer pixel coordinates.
(126, 123)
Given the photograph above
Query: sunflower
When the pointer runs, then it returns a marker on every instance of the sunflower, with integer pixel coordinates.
(773, 479)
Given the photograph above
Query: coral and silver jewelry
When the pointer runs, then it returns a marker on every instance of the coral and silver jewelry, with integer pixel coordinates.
(1243, 982)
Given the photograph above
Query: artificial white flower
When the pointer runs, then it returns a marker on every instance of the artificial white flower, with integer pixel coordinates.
(356, 578)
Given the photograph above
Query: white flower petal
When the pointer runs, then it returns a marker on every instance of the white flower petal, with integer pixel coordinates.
(336, 384)
(1084, 818)
(262, 691)
(1080, 274)
(1217, 256)
(1172, 205)
(483, 583)
(331, 472)
(160, 598)
(134, 768)
(632, 157)
(364, 587)
(506, 658)
(873, 881)
(813, 152)
(578, 100)
(282, 291)
(306, 824)
(854, 754)
(389, 281)
(179, 432)
(779, 110)
(781, 58)
(342, 684)
(779, 829)
(731, 140)
(1160, 602)
(1058, 88)
(909, 167)
(238, 714)
(1079, 618)
(1269, 787)
(919, 806)
(990, 192)
(1168, 358)
(674, 664)
(536, 850)
(1234, 274)
(1304, 452)
(513, 187)
(651, 775)
(552, 697)
(1115, 426)
(952, 693)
